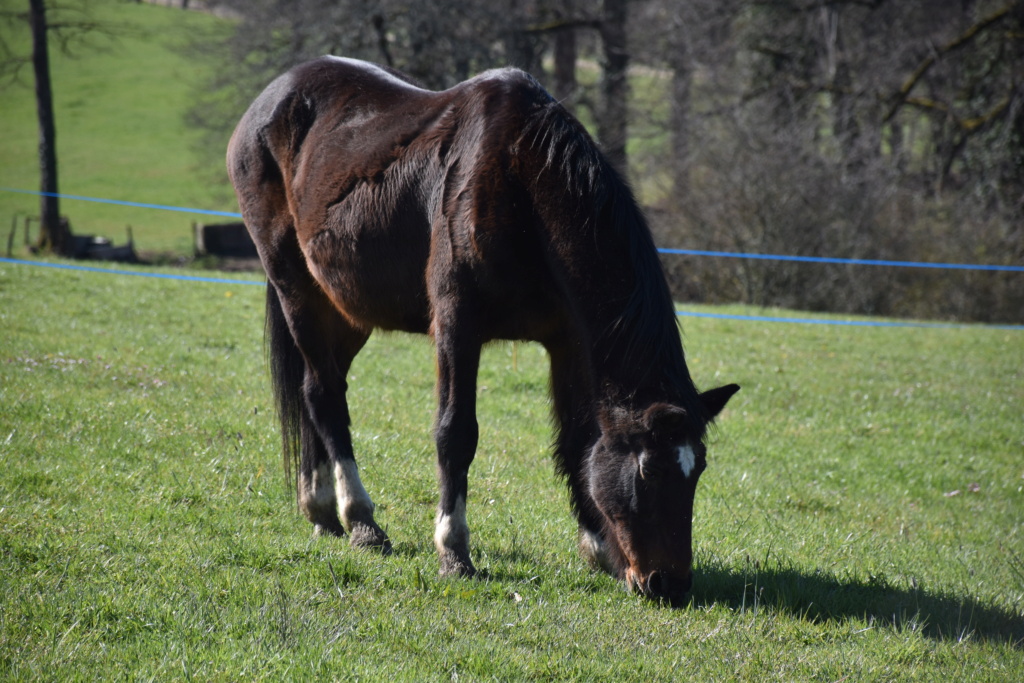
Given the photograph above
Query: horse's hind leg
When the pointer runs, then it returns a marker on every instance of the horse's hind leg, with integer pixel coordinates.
(317, 498)
(331, 494)
(311, 344)
(325, 391)
(325, 387)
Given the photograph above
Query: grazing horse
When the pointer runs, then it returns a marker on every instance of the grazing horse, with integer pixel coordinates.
(479, 213)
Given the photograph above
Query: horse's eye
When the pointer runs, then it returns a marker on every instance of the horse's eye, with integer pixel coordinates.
(700, 464)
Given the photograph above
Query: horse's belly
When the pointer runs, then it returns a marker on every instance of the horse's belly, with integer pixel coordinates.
(374, 282)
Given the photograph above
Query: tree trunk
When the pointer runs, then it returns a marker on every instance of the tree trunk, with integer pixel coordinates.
(520, 45)
(680, 128)
(611, 126)
(565, 67)
(54, 235)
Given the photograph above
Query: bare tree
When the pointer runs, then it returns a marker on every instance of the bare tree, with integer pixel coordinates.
(866, 129)
(55, 235)
(613, 121)
(71, 24)
(436, 43)
(564, 56)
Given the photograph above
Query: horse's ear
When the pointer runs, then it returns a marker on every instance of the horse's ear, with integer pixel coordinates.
(664, 418)
(612, 420)
(714, 400)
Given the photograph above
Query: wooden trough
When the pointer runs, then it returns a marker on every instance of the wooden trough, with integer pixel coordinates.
(226, 240)
(82, 247)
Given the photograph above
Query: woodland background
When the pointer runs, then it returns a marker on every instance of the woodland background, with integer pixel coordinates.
(864, 129)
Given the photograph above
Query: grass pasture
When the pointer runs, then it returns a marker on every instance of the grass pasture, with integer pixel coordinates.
(860, 518)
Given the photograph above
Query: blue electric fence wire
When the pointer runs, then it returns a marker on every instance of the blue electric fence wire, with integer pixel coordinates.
(135, 273)
(138, 205)
(683, 252)
(844, 261)
(691, 314)
(844, 323)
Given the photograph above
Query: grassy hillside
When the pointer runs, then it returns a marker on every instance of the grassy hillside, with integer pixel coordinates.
(121, 132)
(860, 518)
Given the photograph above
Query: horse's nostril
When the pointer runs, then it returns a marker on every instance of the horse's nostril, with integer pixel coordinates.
(660, 585)
(656, 584)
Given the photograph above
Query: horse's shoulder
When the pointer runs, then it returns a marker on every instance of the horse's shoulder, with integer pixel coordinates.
(510, 82)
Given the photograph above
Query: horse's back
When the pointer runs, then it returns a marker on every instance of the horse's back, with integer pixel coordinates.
(383, 183)
(339, 101)
(361, 114)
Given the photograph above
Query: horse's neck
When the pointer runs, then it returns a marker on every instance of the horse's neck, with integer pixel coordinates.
(633, 350)
(608, 265)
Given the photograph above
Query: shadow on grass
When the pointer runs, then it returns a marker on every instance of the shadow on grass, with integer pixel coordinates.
(822, 597)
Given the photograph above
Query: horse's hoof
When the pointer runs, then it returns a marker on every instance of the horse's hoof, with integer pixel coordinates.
(452, 565)
(369, 537)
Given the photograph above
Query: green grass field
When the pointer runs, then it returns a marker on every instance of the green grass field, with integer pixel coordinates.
(860, 518)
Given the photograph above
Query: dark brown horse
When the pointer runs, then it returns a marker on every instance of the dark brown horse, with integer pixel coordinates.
(479, 213)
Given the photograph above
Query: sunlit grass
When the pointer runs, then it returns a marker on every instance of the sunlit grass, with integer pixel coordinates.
(860, 517)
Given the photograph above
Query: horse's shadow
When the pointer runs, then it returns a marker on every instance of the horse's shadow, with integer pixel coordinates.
(813, 596)
(822, 597)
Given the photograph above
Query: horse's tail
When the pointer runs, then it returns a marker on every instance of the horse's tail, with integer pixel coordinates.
(287, 371)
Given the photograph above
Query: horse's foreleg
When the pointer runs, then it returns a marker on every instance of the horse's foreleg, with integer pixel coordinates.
(572, 395)
(458, 360)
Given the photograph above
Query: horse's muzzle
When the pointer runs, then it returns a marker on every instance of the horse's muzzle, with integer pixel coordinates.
(661, 586)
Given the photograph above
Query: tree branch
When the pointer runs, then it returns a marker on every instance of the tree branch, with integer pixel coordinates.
(929, 61)
(563, 25)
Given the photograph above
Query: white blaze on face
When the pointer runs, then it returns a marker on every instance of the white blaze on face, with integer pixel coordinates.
(687, 460)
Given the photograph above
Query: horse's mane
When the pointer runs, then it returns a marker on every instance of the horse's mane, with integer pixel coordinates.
(646, 331)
